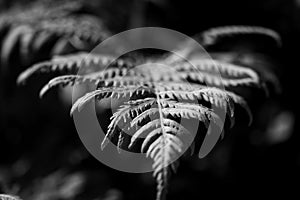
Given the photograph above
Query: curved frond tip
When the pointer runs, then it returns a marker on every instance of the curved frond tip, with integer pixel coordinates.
(211, 36)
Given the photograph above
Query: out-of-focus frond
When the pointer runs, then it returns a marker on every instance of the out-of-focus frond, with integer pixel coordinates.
(9, 197)
(58, 27)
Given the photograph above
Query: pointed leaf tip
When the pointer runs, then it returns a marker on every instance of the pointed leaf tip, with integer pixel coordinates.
(21, 79)
(44, 90)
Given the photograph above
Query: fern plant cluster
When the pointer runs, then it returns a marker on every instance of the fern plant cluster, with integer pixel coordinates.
(160, 92)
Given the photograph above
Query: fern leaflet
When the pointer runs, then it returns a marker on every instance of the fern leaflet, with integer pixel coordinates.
(9, 197)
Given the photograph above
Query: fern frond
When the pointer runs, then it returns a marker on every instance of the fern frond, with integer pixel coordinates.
(74, 62)
(85, 27)
(142, 130)
(161, 98)
(256, 61)
(216, 79)
(98, 79)
(124, 113)
(214, 35)
(182, 85)
(9, 197)
(38, 10)
(142, 116)
(211, 36)
(215, 96)
(163, 136)
(207, 71)
(218, 97)
(59, 26)
(162, 94)
(68, 80)
(190, 113)
(190, 110)
(176, 127)
(163, 151)
(230, 74)
(109, 92)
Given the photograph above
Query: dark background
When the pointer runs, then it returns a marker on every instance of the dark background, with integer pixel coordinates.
(42, 157)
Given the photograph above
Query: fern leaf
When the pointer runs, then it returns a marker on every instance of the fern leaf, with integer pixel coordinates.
(85, 27)
(211, 72)
(120, 142)
(110, 92)
(40, 41)
(216, 80)
(98, 79)
(161, 153)
(188, 114)
(167, 85)
(219, 97)
(9, 197)
(256, 61)
(72, 80)
(170, 125)
(143, 115)
(215, 96)
(63, 81)
(14, 36)
(191, 110)
(143, 129)
(211, 36)
(75, 62)
(123, 114)
(228, 74)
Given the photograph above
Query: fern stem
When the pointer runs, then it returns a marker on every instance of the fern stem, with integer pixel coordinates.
(162, 183)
